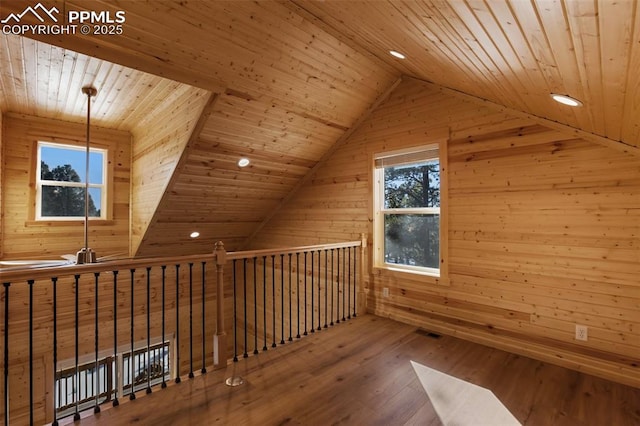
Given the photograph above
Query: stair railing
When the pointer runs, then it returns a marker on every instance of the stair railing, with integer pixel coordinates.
(76, 337)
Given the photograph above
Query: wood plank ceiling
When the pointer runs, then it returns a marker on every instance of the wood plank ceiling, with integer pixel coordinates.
(289, 78)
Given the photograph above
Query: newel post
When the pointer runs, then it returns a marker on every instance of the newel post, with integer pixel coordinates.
(220, 338)
(363, 283)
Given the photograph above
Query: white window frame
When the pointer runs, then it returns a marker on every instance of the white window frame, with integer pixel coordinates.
(393, 158)
(118, 371)
(40, 183)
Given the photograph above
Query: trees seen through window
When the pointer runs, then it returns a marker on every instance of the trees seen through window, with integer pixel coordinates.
(61, 181)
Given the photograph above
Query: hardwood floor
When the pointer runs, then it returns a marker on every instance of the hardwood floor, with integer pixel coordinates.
(359, 373)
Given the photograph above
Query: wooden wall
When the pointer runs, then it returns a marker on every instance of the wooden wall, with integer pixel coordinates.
(160, 138)
(23, 237)
(543, 231)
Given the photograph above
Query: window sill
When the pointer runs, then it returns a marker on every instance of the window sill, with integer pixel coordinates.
(410, 274)
(92, 222)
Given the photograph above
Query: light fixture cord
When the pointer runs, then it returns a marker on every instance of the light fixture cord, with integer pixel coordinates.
(86, 176)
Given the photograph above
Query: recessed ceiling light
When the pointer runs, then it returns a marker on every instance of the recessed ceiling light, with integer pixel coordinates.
(243, 162)
(397, 54)
(194, 234)
(566, 100)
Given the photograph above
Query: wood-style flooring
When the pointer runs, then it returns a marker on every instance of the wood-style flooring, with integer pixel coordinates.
(359, 373)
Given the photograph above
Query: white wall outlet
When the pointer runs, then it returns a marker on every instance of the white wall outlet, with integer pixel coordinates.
(582, 332)
(385, 292)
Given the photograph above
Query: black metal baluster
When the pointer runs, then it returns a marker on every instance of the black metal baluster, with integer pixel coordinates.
(338, 286)
(191, 320)
(255, 306)
(332, 280)
(264, 300)
(204, 334)
(30, 282)
(319, 291)
(313, 329)
(6, 352)
(96, 407)
(349, 285)
(132, 395)
(344, 271)
(282, 298)
(164, 270)
(326, 289)
(115, 402)
(298, 293)
(244, 298)
(76, 386)
(305, 294)
(148, 329)
(54, 282)
(290, 315)
(355, 282)
(177, 379)
(235, 316)
(273, 298)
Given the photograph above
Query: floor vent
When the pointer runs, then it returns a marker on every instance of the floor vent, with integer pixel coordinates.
(428, 333)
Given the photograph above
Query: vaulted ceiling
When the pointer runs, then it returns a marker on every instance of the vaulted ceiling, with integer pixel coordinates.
(282, 82)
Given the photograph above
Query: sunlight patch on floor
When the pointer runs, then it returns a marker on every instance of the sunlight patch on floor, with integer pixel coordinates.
(462, 403)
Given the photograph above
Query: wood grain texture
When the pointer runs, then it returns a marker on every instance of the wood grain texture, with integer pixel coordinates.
(46, 81)
(159, 142)
(300, 52)
(359, 373)
(25, 238)
(511, 53)
(543, 231)
(299, 75)
(288, 91)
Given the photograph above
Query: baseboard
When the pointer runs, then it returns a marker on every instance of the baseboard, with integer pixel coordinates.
(605, 366)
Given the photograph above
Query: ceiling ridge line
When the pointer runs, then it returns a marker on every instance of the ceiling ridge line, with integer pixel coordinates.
(325, 157)
(618, 145)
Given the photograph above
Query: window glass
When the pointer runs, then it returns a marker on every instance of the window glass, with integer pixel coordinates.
(412, 240)
(408, 211)
(62, 179)
(413, 185)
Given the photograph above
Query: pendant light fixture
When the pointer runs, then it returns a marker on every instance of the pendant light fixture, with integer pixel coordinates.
(86, 255)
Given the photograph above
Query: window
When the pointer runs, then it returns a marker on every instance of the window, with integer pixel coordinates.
(155, 362)
(61, 180)
(407, 210)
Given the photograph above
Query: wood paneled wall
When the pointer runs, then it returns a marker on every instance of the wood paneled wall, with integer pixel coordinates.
(160, 138)
(543, 231)
(23, 237)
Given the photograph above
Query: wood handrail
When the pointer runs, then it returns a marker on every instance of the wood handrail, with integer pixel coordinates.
(23, 274)
(218, 260)
(17, 274)
(246, 254)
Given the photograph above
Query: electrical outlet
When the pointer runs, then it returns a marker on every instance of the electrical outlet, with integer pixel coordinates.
(385, 292)
(582, 332)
